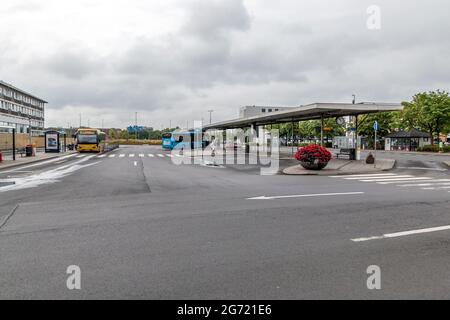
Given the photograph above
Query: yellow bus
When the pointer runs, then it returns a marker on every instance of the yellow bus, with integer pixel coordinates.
(88, 140)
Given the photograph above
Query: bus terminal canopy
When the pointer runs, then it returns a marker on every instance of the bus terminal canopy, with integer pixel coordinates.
(309, 112)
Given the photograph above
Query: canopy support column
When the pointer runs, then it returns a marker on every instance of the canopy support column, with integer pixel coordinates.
(321, 129)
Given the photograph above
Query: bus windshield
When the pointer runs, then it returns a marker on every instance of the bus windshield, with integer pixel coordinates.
(167, 135)
(87, 139)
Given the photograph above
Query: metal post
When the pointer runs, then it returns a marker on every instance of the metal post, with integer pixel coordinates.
(210, 116)
(29, 131)
(14, 143)
(321, 130)
(135, 126)
(292, 136)
(375, 162)
(357, 146)
(224, 140)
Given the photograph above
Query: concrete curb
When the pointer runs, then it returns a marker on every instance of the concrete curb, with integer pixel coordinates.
(384, 165)
(437, 154)
(14, 165)
(447, 163)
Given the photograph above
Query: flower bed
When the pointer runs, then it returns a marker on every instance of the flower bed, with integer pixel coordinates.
(313, 157)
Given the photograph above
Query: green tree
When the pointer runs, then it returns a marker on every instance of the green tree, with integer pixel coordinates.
(428, 111)
(387, 123)
(112, 134)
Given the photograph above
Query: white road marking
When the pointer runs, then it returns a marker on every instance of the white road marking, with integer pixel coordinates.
(102, 156)
(141, 155)
(387, 178)
(131, 155)
(112, 156)
(46, 177)
(169, 155)
(393, 181)
(41, 163)
(422, 168)
(161, 155)
(364, 175)
(307, 195)
(135, 163)
(122, 156)
(81, 156)
(151, 155)
(428, 184)
(179, 155)
(372, 177)
(402, 234)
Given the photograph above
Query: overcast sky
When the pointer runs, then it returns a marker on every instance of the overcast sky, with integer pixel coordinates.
(176, 59)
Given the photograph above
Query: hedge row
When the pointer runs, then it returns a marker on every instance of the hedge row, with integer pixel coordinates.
(433, 148)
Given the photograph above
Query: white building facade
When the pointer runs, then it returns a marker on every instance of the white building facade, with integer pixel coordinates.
(21, 110)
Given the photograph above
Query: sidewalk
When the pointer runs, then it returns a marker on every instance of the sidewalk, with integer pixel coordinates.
(409, 152)
(338, 167)
(40, 156)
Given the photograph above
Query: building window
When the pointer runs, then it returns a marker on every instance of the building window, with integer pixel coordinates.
(263, 110)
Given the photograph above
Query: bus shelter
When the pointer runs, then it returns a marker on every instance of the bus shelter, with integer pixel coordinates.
(406, 141)
(315, 111)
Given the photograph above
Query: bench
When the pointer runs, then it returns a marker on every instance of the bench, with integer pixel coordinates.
(347, 153)
(22, 152)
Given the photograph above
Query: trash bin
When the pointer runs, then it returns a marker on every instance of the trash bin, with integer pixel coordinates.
(29, 150)
(352, 154)
(1, 157)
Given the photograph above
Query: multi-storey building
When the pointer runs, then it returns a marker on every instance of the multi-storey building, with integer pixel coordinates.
(21, 110)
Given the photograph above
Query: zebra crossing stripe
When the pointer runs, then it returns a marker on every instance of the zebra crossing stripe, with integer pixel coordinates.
(406, 180)
(379, 178)
(151, 155)
(161, 155)
(364, 175)
(388, 178)
(141, 156)
(131, 155)
(428, 184)
(102, 156)
(122, 156)
(112, 156)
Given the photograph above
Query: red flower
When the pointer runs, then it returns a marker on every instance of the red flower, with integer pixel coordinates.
(312, 153)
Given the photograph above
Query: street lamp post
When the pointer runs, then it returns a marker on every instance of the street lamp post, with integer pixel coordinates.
(14, 143)
(135, 126)
(210, 116)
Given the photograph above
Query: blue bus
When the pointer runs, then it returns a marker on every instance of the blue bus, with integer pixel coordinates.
(167, 142)
(183, 140)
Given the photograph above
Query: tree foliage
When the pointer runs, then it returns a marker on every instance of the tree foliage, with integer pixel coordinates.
(387, 122)
(428, 111)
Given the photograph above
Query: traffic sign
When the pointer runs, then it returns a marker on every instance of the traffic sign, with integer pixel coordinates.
(375, 126)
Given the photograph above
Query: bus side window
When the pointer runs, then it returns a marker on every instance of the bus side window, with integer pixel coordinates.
(180, 139)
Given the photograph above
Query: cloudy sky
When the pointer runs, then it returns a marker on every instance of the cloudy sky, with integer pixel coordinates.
(176, 59)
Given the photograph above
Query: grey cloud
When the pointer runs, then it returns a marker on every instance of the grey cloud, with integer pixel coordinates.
(210, 19)
(223, 55)
(74, 64)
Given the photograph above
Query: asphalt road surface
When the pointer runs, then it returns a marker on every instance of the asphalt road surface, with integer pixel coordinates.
(141, 227)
